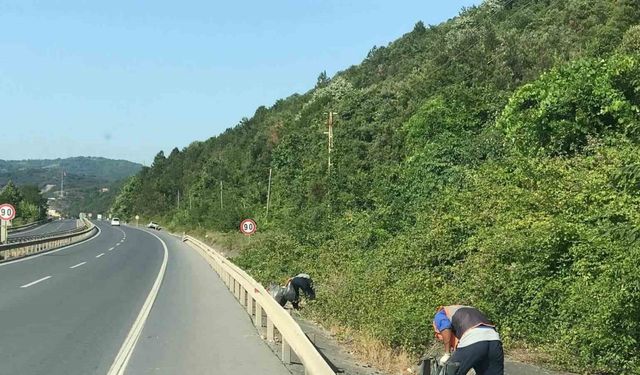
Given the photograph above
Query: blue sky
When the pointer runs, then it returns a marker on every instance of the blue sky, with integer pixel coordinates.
(126, 79)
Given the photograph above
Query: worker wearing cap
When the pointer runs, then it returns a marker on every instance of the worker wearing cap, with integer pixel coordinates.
(474, 338)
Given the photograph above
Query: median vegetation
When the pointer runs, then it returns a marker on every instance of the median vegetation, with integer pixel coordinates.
(491, 160)
(29, 203)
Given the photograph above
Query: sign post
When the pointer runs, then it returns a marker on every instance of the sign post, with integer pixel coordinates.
(137, 218)
(248, 227)
(7, 213)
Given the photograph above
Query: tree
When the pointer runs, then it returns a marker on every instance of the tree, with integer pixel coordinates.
(10, 194)
(323, 79)
(631, 41)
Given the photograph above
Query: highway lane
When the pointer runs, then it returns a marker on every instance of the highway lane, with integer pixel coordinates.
(47, 228)
(197, 327)
(68, 312)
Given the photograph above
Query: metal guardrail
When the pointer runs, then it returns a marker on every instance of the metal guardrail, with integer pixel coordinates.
(24, 227)
(43, 243)
(256, 300)
(34, 237)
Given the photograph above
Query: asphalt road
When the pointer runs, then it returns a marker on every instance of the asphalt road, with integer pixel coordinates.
(75, 320)
(47, 228)
(197, 326)
(68, 312)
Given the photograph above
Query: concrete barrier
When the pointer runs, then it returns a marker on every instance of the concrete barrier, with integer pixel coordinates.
(265, 311)
(44, 243)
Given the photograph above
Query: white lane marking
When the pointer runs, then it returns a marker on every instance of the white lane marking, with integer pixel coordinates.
(35, 282)
(117, 244)
(58, 227)
(52, 251)
(99, 255)
(111, 248)
(122, 359)
(78, 265)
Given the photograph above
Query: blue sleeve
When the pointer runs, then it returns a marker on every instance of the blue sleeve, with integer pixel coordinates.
(441, 321)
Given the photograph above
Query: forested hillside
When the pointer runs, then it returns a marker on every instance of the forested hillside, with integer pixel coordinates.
(81, 171)
(83, 181)
(491, 160)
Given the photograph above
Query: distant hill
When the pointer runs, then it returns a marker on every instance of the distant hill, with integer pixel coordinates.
(88, 181)
(78, 170)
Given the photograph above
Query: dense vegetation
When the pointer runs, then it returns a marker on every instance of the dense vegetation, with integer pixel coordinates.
(491, 160)
(29, 204)
(92, 200)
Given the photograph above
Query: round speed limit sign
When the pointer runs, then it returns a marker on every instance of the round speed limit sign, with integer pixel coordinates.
(248, 227)
(7, 212)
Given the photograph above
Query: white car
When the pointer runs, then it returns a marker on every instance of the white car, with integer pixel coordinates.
(115, 221)
(153, 225)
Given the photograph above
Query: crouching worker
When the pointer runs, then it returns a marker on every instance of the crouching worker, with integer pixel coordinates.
(299, 282)
(474, 338)
(291, 291)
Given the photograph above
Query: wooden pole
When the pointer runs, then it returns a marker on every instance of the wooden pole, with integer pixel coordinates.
(268, 194)
(220, 194)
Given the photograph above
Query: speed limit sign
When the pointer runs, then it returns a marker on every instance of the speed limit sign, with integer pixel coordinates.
(7, 212)
(248, 227)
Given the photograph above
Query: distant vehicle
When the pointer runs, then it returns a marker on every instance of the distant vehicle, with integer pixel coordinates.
(153, 225)
(99, 216)
(115, 221)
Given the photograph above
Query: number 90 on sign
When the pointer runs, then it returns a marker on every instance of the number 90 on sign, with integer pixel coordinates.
(7, 212)
(248, 227)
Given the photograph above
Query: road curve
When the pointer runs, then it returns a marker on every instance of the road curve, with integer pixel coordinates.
(68, 312)
(47, 228)
(197, 327)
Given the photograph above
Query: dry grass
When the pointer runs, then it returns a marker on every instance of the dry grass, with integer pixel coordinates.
(228, 244)
(371, 351)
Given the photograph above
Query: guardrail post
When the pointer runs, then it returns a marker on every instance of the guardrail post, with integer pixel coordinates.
(249, 304)
(258, 316)
(270, 330)
(237, 290)
(286, 352)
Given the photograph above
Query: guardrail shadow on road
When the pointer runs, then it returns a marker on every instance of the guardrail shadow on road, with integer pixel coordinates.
(271, 320)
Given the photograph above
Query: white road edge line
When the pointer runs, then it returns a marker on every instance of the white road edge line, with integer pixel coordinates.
(52, 251)
(117, 244)
(35, 282)
(77, 265)
(99, 255)
(126, 350)
(110, 249)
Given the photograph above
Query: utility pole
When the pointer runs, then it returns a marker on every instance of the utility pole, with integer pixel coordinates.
(329, 134)
(268, 194)
(62, 184)
(221, 195)
(178, 200)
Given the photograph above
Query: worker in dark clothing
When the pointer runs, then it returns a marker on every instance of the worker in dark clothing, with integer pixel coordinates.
(474, 338)
(299, 282)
